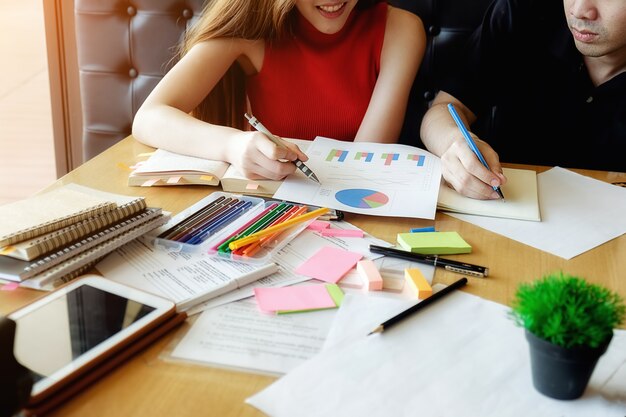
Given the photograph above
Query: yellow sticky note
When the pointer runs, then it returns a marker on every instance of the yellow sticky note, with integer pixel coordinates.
(434, 243)
(416, 280)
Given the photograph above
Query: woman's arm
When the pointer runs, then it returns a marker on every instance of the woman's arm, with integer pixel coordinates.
(164, 119)
(401, 55)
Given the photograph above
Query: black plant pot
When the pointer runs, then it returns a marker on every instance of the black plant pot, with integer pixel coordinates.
(559, 372)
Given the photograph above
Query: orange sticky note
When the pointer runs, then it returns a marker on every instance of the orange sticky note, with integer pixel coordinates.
(369, 273)
(329, 264)
(7, 250)
(415, 279)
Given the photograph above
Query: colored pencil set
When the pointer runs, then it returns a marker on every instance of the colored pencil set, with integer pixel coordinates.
(207, 221)
(239, 228)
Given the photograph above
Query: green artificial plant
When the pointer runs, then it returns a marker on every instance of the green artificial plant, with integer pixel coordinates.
(567, 311)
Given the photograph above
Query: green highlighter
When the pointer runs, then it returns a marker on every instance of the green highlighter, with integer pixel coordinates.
(434, 243)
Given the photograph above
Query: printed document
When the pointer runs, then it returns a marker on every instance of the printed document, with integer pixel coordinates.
(368, 178)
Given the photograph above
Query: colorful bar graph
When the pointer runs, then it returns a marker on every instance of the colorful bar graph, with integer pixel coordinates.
(337, 153)
(364, 155)
(389, 157)
(419, 158)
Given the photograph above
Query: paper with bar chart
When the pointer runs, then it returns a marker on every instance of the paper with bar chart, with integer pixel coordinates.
(368, 178)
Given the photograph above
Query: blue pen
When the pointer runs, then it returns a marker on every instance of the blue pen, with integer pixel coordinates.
(471, 143)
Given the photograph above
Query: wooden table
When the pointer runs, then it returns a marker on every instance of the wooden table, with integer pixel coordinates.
(147, 385)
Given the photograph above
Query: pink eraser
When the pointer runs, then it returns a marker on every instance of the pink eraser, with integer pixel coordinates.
(370, 275)
(418, 283)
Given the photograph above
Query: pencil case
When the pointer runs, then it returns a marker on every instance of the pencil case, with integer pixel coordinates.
(257, 215)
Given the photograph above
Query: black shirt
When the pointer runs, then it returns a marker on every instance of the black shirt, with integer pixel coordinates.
(523, 60)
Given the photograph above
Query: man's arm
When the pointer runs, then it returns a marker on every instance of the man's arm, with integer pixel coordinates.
(460, 167)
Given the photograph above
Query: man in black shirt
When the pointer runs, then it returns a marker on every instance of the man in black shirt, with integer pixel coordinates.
(543, 83)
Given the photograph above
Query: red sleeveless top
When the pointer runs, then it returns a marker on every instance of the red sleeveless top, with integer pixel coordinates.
(314, 84)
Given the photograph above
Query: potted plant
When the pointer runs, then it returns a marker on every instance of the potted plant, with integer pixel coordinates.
(569, 324)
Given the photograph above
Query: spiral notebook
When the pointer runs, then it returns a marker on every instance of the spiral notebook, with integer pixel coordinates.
(29, 250)
(43, 213)
(18, 270)
(65, 271)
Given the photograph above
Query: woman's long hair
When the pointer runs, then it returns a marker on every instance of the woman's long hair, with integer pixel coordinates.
(245, 19)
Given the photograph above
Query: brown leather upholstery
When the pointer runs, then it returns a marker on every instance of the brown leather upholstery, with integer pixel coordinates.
(124, 48)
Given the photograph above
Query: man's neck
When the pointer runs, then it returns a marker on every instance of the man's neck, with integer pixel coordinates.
(602, 69)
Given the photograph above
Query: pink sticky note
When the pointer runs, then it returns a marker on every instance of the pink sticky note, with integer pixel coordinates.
(11, 286)
(342, 232)
(318, 225)
(300, 297)
(329, 264)
(174, 180)
(252, 186)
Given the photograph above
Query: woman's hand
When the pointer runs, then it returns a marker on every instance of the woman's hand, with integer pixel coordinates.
(258, 157)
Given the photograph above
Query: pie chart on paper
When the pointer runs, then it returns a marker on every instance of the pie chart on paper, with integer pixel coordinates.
(361, 198)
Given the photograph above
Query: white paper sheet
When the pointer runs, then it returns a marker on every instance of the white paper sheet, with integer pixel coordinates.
(578, 213)
(238, 335)
(462, 356)
(368, 178)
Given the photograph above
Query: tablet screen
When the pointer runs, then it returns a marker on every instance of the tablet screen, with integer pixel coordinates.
(55, 334)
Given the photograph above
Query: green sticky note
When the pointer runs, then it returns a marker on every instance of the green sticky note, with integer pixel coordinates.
(434, 243)
(335, 293)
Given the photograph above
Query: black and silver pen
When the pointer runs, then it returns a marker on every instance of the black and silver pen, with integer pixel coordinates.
(447, 264)
(255, 123)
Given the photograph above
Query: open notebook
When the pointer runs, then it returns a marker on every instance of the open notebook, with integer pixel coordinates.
(520, 193)
(165, 168)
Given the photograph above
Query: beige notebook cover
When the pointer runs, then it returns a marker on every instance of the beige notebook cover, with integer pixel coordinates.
(43, 213)
(520, 193)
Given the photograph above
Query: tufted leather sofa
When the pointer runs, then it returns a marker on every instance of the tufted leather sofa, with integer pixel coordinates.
(125, 47)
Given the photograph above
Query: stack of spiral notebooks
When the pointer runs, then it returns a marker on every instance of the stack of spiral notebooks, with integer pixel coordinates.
(51, 238)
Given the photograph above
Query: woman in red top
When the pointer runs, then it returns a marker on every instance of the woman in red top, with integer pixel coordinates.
(304, 68)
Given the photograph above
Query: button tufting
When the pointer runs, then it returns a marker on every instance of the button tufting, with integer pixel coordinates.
(433, 30)
(429, 95)
(131, 11)
(187, 14)
(132, 73)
